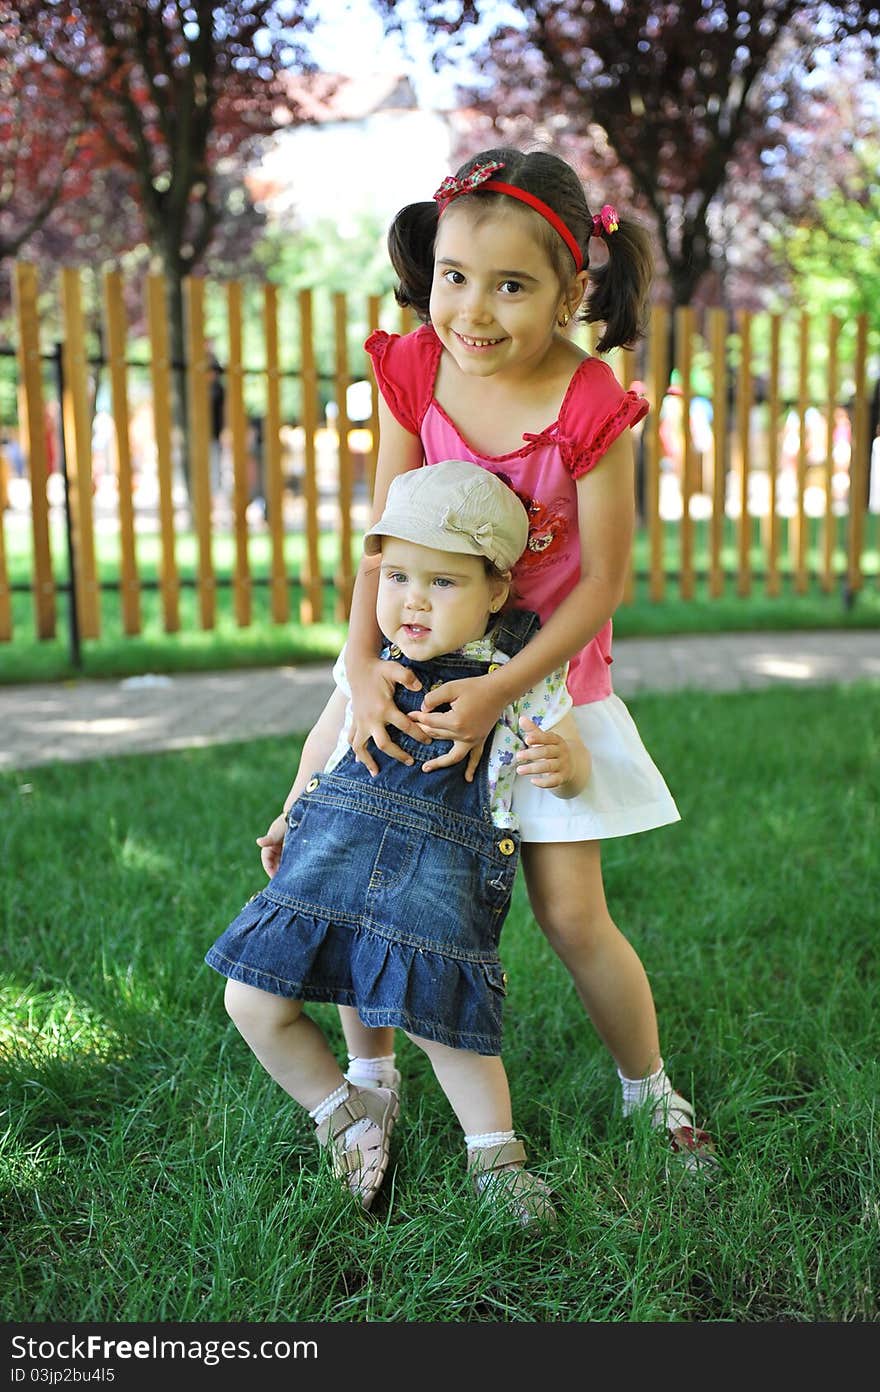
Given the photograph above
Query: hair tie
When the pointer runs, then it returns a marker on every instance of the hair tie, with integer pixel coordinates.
(605, 221)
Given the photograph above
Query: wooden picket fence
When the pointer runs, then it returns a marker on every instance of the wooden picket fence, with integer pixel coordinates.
(782, 543)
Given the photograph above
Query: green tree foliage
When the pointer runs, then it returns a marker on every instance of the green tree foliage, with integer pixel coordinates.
(836, 256)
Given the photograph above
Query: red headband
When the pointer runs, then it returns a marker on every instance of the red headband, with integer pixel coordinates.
(479, 179)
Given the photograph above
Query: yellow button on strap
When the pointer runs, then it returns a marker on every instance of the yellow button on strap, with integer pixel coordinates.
(506, 847)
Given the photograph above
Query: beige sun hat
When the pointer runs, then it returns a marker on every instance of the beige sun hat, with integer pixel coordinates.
(454, 506)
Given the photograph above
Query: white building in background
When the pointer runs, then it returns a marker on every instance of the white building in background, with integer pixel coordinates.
(370, 149)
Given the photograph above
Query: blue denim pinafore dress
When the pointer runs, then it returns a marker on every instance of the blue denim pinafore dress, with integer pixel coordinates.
(392, 890)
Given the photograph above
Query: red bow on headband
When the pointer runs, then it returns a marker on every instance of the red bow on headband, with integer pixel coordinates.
(453, 188)
(605, 221)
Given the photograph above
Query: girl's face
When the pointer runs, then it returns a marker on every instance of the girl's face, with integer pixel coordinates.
(495, 298)
(432, 602)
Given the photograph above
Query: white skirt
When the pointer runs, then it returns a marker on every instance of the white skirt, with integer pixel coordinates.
(626, 792)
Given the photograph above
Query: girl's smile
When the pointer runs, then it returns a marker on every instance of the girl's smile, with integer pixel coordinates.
(479, 345)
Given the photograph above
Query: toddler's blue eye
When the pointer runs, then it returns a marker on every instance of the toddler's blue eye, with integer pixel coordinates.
(443, 582)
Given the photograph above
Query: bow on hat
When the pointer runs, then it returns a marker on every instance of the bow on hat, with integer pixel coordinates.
(453, 187)
(481, 536)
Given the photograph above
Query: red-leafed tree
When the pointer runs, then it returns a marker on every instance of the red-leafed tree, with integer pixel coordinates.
(173, 95)
(677, 95)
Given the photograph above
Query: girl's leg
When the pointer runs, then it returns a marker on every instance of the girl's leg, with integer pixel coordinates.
(355, 1123)
(476, 1087)
(564, 882)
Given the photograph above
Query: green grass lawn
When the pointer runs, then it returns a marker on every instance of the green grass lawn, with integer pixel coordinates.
(264, 643)
(150, 1171)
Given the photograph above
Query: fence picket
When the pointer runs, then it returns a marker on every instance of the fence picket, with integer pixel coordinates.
(344, 577)
(801, 526)
(280, 599)
(312, 606)
(241, 583)
(373, 307)
(773, 538)
(78, 449)
(198, 383)
(659, 370)
(859, 462)
(34, 443)
(829, 522)
(684, 337)
(744, 411)
(129, 581)
(718, 350)
(160, 372)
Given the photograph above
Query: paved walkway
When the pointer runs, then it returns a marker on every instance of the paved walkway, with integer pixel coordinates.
(78, 720)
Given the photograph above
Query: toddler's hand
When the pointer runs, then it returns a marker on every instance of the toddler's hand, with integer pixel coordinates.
(272, 844)
(546, 760)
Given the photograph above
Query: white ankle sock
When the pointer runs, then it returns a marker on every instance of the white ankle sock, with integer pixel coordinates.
(484, 1139)
(373, 1072)
(329, 1105)
(656, 1088)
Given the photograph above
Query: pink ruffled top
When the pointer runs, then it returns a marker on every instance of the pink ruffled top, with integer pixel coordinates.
(542, 472)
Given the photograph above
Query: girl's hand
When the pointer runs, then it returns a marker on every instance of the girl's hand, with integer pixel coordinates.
(373, 709)
(475, 711)
(272, 844)
(547, 758)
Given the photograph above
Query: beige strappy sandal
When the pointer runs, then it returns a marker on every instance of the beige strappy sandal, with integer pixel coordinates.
(498, 1176)
(363, 1164)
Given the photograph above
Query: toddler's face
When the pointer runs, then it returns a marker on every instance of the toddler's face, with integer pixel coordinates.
(432, 602)
(495, 298)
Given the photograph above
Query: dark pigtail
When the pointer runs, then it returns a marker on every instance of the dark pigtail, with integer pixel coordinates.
(619, 291)
(411, 239)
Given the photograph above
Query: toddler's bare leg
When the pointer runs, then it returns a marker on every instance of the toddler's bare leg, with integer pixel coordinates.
(477, 1090)
(354, 1123)
(289, 1045)
(475, 1086)
(365, 1041)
